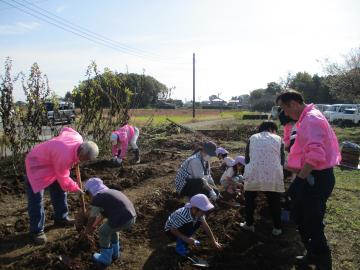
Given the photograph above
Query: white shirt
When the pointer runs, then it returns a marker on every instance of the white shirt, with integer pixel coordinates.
(264, 172)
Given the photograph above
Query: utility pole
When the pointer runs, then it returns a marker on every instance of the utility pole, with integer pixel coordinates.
(193, 85)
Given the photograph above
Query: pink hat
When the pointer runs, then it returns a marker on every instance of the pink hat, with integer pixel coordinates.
(95, 185)
(200, 201)
(114, 138)
(229, 161)
(240, 159)
(232, 162)
(221, 151)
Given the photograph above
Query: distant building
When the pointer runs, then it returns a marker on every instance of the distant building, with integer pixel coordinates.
(234, 103)
(218, 102)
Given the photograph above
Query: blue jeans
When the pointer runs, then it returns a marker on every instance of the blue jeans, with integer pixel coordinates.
(36, 205)
(109, 235)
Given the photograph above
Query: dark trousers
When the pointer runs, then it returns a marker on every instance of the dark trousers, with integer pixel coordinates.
(195, 186)
(187, 229)
(312, 210)
(36, 205)
(273, 199)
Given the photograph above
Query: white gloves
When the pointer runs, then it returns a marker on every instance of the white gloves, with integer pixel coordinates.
(213, 196)
(117, 160)
(209, 180)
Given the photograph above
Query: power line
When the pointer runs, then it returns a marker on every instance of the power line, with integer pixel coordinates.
(89, 32)
(40, 1)
(72, 29)
(65, 27)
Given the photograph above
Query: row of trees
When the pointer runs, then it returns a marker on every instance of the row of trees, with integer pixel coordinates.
(105, 99)
(22, 125)
(341, 84)
(145, 90)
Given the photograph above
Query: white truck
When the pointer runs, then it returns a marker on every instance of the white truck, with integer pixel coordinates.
(343, 113)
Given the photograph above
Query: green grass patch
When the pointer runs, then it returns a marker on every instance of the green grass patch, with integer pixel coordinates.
(348, 180)
(182, 118)
(348, 134)
(343, 212)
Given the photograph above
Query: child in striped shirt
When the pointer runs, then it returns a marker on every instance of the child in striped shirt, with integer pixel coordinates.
(183, 223)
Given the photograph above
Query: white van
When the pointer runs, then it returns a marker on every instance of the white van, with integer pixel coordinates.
(275, 112)
(335, 111)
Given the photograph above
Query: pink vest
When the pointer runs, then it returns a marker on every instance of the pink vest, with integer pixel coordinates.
(316, 142)
(125, 134)
(52, 160)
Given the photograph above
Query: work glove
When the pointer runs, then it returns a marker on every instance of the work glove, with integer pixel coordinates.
(118, 161)
(213, 196)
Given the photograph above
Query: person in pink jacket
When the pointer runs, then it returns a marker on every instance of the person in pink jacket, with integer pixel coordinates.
(48, 166)
(120, 140)
(289, 130)
(312, 157)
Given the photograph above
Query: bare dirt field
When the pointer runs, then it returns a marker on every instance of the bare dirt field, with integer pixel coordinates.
(150, 185)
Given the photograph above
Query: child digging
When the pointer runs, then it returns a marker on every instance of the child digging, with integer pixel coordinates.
(183, 223)
(119, 212)
(232, 179)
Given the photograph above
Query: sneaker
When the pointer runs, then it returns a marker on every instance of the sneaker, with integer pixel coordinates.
(137, 161)
(39, 238)
(66, 222)
(276, 232)
(246, 227)
(304, 260)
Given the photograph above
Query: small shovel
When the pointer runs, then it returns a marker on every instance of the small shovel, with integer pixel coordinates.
(198, 262)
(80, 218)
(70, 263)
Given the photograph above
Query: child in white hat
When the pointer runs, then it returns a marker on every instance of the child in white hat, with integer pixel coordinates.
(232, 179)
(183, 223)
(119, 212)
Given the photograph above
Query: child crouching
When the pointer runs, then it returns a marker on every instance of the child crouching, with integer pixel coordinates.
(183, 223)
(232, 179)
(119, 212)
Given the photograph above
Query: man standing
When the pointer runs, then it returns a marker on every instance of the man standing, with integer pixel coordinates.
(313, 156)
(48, 166)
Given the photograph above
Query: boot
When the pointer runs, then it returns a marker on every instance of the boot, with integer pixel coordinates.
(305, 260)
(39, 238)
(116, 250)
(181, 248)
(66, 222)
(104, 257)
(137, 155)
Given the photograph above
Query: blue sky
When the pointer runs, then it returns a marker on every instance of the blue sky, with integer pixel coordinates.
(239, 45)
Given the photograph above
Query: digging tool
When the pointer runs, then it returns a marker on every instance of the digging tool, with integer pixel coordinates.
(70, 263)
(81, 217)
(198, 262)
(81, 195)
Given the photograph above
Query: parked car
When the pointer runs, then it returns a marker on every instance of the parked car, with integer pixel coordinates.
(335, 111)
(275, 112)
(349, 116)
(322, 107)
(64, 114)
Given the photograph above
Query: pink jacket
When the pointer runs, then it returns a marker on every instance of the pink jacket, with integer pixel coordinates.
(52, 160)
(287, 133)
(125, 134)
(316, 142)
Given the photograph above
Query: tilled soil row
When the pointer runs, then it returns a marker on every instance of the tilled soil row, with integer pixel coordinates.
(150, 186)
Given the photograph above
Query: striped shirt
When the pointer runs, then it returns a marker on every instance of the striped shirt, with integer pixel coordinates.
(181, 217)
(192, 168)
(183, 174)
